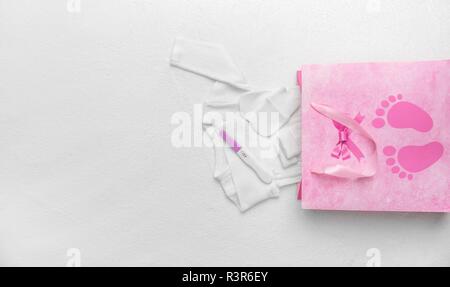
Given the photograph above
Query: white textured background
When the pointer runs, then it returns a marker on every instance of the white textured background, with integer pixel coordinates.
(85, 155)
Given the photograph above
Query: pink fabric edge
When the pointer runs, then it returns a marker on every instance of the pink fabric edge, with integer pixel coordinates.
(299, 83)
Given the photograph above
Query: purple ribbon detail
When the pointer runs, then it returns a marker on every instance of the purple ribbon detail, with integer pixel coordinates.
(345, 146)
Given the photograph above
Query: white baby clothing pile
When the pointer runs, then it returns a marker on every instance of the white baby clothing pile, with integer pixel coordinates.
(265, 123)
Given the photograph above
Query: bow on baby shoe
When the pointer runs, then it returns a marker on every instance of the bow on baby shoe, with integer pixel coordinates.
(345, 146)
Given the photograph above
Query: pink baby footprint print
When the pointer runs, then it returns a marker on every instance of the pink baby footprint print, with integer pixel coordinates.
(401, 114)
(412, 159)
